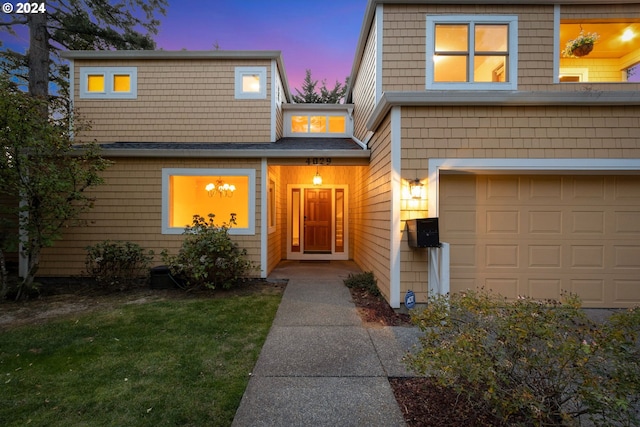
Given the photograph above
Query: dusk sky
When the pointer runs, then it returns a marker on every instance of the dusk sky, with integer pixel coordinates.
(320, 36)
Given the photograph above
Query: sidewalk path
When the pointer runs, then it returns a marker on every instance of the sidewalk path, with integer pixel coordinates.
(320, 365)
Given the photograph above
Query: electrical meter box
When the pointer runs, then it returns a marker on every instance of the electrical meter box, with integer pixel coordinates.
(423, 233)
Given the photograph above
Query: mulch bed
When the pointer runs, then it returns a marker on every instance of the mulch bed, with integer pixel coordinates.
(422, 401)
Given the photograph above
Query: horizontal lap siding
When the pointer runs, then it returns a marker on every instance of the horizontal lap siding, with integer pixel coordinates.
(372, 211)
(505, 132)
(178, 101)
(404, 43)
(364, 87)
(128, 208)
(518, 132)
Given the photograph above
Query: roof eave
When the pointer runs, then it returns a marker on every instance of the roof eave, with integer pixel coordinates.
(498, 99)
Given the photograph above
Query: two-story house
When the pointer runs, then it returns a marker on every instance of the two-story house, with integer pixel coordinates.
(461, 110)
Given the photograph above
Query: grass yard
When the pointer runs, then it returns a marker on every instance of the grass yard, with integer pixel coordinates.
(178, 362)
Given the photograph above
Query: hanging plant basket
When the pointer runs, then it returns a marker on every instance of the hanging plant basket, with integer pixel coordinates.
(580, 46)
(582, 50)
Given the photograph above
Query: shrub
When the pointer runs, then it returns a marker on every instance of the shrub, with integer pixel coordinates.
(365, 281)
(532, 363)
(117, 264)
(208, 257)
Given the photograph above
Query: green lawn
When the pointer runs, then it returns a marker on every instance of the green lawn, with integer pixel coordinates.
(180, 362)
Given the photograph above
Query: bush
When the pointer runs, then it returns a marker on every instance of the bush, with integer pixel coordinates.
(117, 264)
(208, 257)
(532, 363)
(365, 281)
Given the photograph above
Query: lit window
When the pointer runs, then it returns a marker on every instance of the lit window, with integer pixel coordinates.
(95, 83)
(300, 124)
(121, 83)
(337, 124)
(251, 82)
(317, 124)
(472, 52)
(225, 193)
(108, 82)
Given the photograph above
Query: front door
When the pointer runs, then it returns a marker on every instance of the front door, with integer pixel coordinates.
(317, 220)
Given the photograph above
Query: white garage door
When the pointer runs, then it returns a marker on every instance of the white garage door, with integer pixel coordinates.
(539, 235)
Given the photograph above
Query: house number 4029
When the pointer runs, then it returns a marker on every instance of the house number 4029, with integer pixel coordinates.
(318, 160)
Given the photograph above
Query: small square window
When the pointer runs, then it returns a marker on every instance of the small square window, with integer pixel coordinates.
(95, 83)
(121, 83)
(108, 82)
(251, 82)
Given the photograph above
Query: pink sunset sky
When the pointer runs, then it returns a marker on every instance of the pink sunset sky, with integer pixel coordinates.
(316, 35)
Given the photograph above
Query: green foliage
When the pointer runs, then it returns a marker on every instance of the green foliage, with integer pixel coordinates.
(532, 363)
(181, 362)
(117, 264)
(75, 25)
(309, 94)
(208, 257)
(365, 281)
(40, 167)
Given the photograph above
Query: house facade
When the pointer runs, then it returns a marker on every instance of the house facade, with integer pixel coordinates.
(457, 110)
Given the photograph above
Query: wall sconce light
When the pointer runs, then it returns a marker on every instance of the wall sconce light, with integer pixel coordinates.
(220, 187)
(415, 188)
(317, 179)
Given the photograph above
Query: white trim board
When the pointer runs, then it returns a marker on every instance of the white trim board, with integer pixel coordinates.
(521, 166)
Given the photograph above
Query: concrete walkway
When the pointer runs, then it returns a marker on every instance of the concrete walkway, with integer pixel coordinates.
(320, 365)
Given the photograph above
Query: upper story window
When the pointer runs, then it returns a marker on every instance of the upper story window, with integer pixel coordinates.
(317, 124)
(109, 82)
(251, 82)
(472, 52)
(613, 58)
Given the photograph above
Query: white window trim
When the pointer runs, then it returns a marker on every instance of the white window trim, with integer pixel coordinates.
(242, 71)
(251, 173)
(108, 73)
(511, 20)
(348, 128)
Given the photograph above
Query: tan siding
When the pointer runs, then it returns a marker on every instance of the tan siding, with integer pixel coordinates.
(404, 44)
(364, 91)
(274, 239)
(128, 208)
(518, 132)
(372, 211)
(178, 101)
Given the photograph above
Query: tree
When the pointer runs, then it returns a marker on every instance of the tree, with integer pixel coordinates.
(309, 95)
(40, 166)
(76, 25)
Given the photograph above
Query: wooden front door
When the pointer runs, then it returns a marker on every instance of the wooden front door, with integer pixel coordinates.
(317, 220)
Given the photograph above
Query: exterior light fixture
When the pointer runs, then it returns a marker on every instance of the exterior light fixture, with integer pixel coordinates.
(222, 188)
(317, 179)
(415, 188)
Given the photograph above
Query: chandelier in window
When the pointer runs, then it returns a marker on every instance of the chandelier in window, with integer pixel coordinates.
(223, 189)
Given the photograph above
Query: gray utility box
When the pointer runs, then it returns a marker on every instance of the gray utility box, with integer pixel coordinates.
(423, 233)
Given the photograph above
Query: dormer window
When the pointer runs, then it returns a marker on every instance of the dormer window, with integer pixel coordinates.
(318, 121)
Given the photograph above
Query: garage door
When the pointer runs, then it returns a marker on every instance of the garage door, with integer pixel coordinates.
(539, 235)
